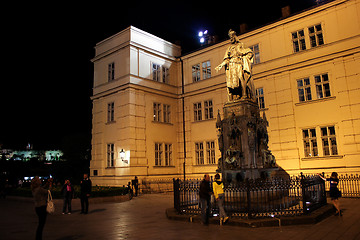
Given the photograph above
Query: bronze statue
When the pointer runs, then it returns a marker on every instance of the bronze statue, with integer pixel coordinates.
(237, 62)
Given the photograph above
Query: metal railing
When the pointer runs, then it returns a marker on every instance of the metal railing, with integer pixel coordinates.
(258, 198)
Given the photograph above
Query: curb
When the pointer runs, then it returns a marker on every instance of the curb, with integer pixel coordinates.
(313, 218)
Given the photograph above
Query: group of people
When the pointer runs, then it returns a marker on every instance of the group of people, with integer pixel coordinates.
(217, 190)
(205, 192)
(40, 194)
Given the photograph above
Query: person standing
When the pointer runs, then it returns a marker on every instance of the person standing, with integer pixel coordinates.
(135, 184)
(85, 191)
(334, 191)
(218, 188)
(68, 193)
(40, 195)
(205, 196)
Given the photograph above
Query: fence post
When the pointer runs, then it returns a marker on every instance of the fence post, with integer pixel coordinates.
(248, 198)
(324, 202)
(303, 192)
(176, 183)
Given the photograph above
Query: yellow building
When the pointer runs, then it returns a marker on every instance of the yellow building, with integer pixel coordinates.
(148, 99)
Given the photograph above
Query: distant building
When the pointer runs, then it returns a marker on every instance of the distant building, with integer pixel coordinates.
(26, 155)
(155, 109)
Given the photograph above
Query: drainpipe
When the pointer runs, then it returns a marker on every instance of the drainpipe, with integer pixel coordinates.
(183, 112)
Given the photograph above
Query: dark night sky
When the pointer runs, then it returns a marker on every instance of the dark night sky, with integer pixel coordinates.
(46, 81)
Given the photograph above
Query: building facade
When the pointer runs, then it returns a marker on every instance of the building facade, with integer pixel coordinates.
(154, 110)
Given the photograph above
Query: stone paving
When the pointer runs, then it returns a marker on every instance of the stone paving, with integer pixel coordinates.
(144, 218)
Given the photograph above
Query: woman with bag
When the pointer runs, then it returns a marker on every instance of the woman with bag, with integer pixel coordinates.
(218, 188)
(40, 195)
(334, 191)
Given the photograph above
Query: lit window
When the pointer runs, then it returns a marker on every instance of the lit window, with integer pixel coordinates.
(328, 138)
(304, 89)
(298, 39)
(310, 143)
(196, 73)
(260, 98)
(206, 70)
(208, 108)
(322, 86)
(316, 36)
(199, 153)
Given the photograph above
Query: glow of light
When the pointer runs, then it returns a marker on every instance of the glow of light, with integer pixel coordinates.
(201, 34)
(202, 40)
(205, 32)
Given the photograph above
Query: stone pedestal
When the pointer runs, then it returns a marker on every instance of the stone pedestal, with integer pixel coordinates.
(243, 142)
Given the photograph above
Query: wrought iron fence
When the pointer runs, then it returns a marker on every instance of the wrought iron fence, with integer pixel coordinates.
(259, 198)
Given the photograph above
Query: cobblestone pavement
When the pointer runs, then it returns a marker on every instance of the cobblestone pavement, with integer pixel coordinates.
(144, 218)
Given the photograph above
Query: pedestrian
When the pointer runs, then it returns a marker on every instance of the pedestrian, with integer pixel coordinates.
(135, 184)
(205, 196)
(40, 195)
(68, 194)
(85, 191)
(218, 188)
(334, 191)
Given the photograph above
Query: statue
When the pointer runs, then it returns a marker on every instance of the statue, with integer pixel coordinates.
(237, 62)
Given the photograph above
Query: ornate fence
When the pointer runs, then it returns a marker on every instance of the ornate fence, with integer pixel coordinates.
(256, 199)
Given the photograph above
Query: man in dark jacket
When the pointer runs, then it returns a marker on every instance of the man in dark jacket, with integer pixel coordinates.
(85, 191)
(205, 195)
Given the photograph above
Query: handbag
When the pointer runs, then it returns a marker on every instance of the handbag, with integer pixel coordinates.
(50, 207)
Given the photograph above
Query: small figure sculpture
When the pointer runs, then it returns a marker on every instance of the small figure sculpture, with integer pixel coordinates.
(237, 62)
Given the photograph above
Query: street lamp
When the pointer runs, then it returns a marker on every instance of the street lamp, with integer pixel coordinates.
(203, 36)
(122, 156)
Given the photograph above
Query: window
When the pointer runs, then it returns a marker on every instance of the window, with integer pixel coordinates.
(206, 70)
(260, 98)
(209, 111)
(316, 36)
(158, 154)
(111, 71)
(156, 72)
(110, 155)
(310, 143)
(256, 52)
(157, 112)
(165, 74)
(304, 89)
(197, 112)
(166, 113)
(328, 139)
(210, 152)
(110, 112)
(298, 39)
(196, 73)
(322, 86)
(199, 153)
(168, 154)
